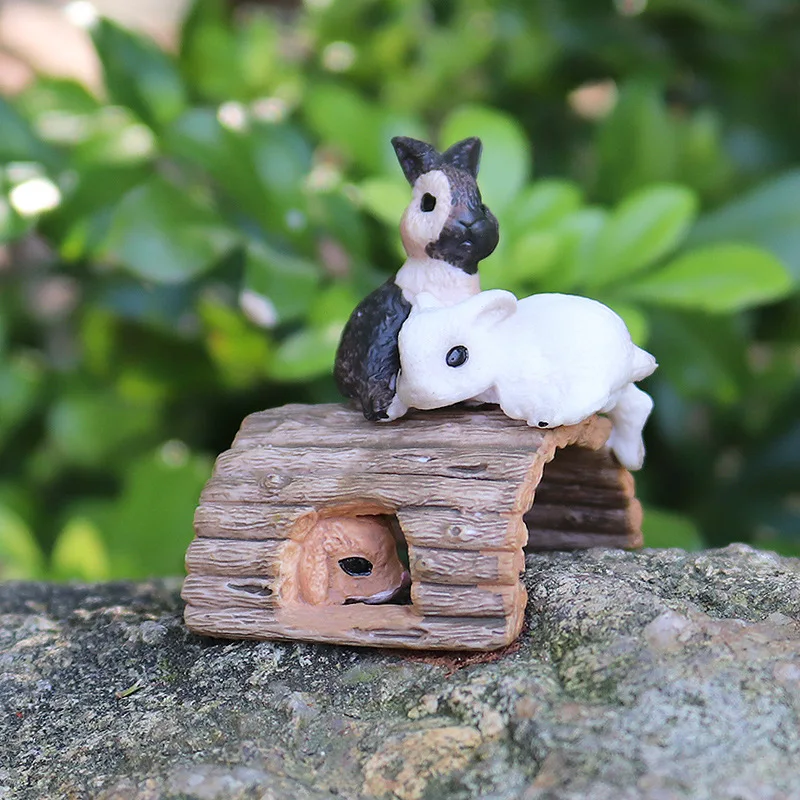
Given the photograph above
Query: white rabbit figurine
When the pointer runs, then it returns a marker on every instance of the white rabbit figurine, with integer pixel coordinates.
(549, 359)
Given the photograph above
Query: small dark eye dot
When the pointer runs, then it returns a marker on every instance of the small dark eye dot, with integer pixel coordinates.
(457, 356)
(542, 424)
(428, 202)
(356, 566)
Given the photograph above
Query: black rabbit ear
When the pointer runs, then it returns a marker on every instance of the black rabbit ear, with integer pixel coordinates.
(415, 157)
(465, 155)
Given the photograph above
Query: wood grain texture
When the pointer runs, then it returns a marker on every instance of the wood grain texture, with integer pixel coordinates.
(473, 464)
(370, 626)
(211, 591)
(586, 466)
(581, 495)
(448, 527)
(465, 567)
(432, 599)
(391, 491)
(546, 540)
(568, 517)
(338, 426)
(234, 558)
(247, 520)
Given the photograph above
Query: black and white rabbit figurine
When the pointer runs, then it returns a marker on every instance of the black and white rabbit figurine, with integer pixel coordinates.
(446, 230)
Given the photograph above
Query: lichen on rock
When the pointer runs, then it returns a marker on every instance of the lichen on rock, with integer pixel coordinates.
(659, 674)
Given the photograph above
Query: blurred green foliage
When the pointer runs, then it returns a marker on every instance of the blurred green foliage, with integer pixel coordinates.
(186, 249)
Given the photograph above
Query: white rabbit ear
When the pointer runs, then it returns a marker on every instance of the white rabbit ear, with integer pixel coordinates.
(492, 306)
(424, 301)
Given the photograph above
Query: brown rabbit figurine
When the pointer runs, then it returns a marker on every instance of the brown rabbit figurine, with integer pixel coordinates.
(349, 560)
(447, 231)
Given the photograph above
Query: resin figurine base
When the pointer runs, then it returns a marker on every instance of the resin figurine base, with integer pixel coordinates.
(303, 529)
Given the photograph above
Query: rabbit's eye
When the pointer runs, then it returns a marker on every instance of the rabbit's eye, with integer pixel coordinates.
(457, 356)
(428, 202)
(356, 566)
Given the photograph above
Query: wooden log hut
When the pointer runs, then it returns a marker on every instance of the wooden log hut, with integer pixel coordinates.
(299, 511)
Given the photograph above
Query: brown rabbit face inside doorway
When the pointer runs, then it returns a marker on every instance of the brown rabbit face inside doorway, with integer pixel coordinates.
(350, 560)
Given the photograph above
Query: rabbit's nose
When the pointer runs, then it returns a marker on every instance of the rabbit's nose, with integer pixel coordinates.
(474, 227)
(468, 219)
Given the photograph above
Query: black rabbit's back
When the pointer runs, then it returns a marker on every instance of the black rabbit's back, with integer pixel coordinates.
(368, 358)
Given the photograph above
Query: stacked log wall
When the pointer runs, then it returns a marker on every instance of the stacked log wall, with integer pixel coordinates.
(458, 484)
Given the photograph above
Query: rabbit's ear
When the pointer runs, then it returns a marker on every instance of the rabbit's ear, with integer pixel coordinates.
(465, 155)
(490, 307)
(415, 157)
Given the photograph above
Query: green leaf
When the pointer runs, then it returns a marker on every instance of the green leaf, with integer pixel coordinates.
(704, 160)
(636, 143)
(343, 118)
(91, 428)
(668, 529)
(258, 48)
(163, 234)
(49, 100)
(138, 74)
(67, 115)
(647, 225)
(79, 553)
(334, 304)
(579, 232)
(384, 198)
(208, 52)
(241, 353)
(287, 281)
(21, 557)
(532, 255)
(768, 216)
(20, 385)
(12, 225)
(716, 279)
(337, 214)
(700, 357)
(541, 205)
(307, 354)
(112, 135)
(82, 222)
(18, 142)
(199, 139)
(148, 529)
(262, 168)
(282, 158)
(494, 272)
(506, 159)
(714, 13)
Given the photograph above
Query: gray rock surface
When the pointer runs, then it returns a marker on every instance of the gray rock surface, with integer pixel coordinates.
(658, 674)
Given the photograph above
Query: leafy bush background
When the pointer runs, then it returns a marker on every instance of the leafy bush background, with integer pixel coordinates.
(225, 206)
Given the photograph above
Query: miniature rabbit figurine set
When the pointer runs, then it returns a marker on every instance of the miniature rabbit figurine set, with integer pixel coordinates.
(334, 524)
(429, 338)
